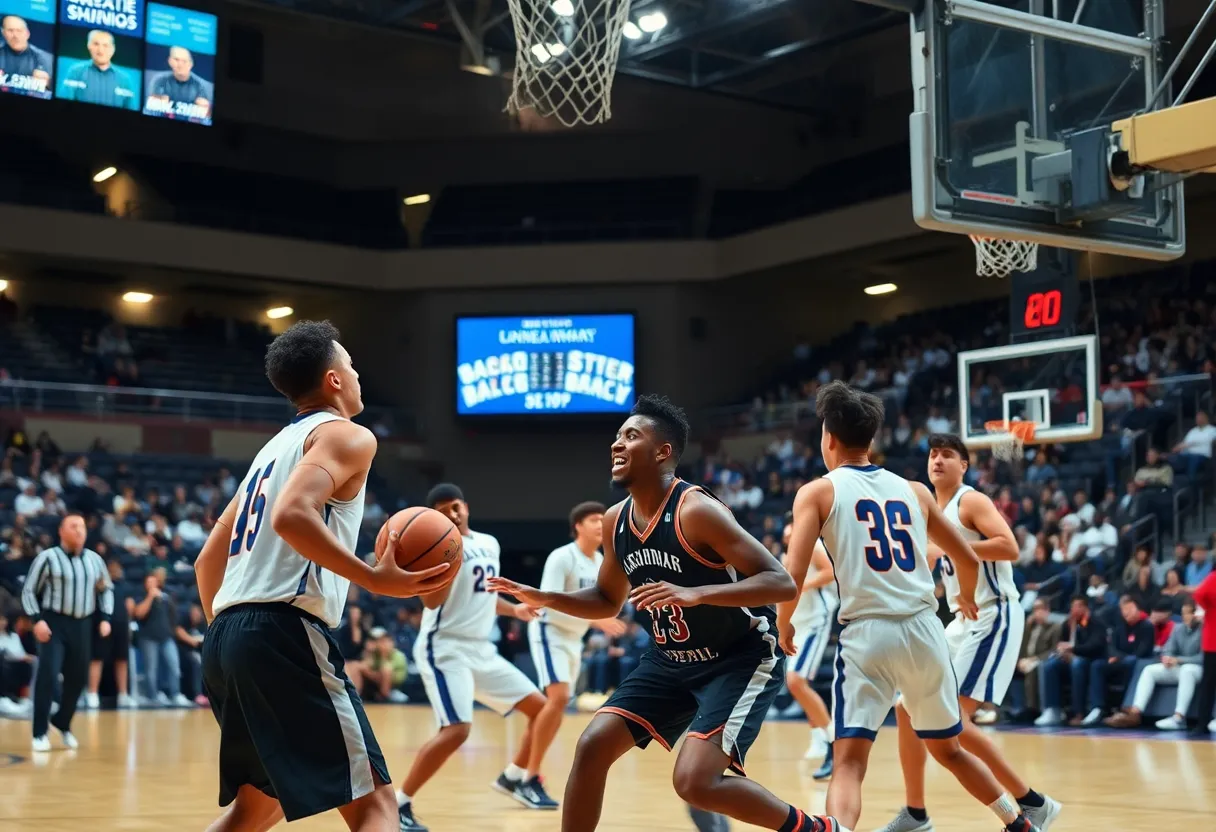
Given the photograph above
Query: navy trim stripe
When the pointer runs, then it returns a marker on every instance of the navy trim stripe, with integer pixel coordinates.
(990, 575)
(445, 695)
(805, 652)
(300, 417)
(944, 734)
(865, 469)
(967, 688)
(544, 646)
(1005, 613)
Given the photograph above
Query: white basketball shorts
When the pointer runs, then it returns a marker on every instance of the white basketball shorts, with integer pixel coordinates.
(812, 640)
(876, 659)
(558, 656)
(458, 671)
(985, 651)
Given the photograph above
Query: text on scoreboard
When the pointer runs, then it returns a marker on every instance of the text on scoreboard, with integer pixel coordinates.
(545, 364)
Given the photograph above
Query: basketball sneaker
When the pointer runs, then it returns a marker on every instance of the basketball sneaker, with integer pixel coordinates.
(66, 739)
(41, 744)
(1022, 824)
(505, 785)
(824, 772)
(532, 794)
(1042, 817)
(904, 822)
(406, 820)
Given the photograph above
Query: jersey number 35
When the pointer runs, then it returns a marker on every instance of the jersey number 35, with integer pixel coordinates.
(889, 530)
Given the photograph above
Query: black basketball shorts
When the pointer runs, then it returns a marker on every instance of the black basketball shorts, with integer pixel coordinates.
(729, 695)
(291, 723)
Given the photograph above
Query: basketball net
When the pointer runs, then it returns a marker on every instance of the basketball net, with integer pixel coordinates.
(1010, 438)
(565, 57)
(1001, 258)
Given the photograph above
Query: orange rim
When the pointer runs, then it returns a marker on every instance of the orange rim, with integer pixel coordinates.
(1023, 431)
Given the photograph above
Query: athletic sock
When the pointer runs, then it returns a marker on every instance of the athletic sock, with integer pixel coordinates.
(516, 773)
(1032, 799)
(918, 814)
(1006, 809)
(829, 731)
(403, 799)
(795, 822)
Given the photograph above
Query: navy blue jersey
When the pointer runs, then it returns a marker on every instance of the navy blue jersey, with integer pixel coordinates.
(660, 553)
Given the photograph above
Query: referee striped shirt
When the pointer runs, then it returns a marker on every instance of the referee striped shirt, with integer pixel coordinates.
(67, 584)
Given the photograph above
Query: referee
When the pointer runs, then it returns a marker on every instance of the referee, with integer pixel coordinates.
(64, 587)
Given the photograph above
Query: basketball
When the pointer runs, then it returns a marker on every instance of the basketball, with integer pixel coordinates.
(427, 539)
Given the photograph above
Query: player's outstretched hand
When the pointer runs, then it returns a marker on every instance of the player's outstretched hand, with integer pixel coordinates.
(524, 613)
(611, 627)
(529, 596)
(390, 579)
(785, 640)
(663, 594)
(968, 607)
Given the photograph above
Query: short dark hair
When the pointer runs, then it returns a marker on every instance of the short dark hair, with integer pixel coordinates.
(951, 442)
(1164, 606)
(1189, 602)
(297, 359)
(669, 419)
(444, 492)
(852, 416)
(1127, 599)
(1082, 598)
(584, 510)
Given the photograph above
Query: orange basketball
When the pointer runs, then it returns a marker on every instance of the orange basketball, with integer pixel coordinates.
(427, 539)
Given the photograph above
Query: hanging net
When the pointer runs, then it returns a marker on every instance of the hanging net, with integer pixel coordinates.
(1000, 258)
(1010, 438)
(565, 59)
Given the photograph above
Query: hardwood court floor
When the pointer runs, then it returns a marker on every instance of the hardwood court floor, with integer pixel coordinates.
(156, 770)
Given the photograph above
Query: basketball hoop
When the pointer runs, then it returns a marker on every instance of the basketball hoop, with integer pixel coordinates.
(1010, 437)
(1000, 258)
(565, 57)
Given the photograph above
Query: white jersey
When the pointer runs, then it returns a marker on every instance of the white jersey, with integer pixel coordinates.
(815, 607)
(875, 535)
(568, 569)
(470, 609)
(261, 567)
(996, 577)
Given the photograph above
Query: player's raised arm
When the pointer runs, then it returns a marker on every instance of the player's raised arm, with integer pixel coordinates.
(604, 600)
(976, 511)
(212, 560)
(946, 535)
(708, 527)
(334, 466)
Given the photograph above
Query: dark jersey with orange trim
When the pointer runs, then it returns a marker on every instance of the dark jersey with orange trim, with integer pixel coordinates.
(660, 553)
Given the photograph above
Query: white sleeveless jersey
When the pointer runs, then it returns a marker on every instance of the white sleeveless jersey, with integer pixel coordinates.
(469, 611)
(567, 569)
(261, 567)
(996, 577)
(875, 536)
(815, 607)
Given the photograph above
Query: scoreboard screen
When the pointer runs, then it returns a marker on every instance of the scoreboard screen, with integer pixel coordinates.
(545, 364)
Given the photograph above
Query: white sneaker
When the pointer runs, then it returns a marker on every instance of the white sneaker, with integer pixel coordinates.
(1171, 723)
(8, 707)
(41, 744)
(161, 699)
(1050, 718)
(1092, 718)
(397, 697)
(66, 739)
(92, 701)
(1212, 726)
(986, 716)
(818, 747)
(180, 701)
(126, 701)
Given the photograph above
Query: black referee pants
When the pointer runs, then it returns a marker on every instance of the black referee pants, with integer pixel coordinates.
(68, 652)
(1205, 701)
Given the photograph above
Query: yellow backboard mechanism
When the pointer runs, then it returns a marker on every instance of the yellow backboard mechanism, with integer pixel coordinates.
(1179, 139)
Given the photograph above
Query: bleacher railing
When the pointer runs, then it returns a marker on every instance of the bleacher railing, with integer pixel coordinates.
(105, 402)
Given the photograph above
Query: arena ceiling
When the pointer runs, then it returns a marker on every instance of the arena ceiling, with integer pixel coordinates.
(757, 50)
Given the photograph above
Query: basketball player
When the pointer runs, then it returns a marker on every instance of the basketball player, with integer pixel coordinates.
(985, 650)
(874, 526)
(272, 580)
(556, 640)
(459, 664)
(714, 668)
(812, 621)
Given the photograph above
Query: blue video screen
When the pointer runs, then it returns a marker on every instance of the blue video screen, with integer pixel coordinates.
(27, 47)
(545, 364)
(179, 65)
(101, 52)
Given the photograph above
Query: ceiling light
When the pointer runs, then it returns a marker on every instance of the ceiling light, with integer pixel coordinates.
(652, 22)
(417, 199)
(3, 285)
(556, 49)
(277, 312)
(564, 8)
(881, 289)
(631, 30)
(104, 174)
(540, 52)
(137, 297)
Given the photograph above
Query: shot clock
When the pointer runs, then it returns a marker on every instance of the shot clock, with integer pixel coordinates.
(1043, 303)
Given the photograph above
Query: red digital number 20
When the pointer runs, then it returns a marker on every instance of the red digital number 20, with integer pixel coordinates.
(1043, 309)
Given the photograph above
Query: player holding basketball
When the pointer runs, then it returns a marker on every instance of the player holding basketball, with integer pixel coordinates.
(459, 664)
(985, 650)
(715, 667)
(556, 640)
(272, 580)
(812, 621)
(874, 526)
